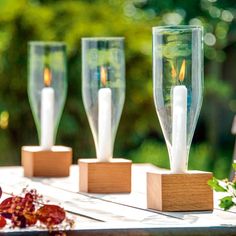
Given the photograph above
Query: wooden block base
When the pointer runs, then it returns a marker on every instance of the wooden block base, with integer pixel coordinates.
(105, 177)
(46, 163)
(179, 192)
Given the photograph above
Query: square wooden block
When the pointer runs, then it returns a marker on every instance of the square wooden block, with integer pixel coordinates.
(105, 177)
(46, 163)
(179, 192)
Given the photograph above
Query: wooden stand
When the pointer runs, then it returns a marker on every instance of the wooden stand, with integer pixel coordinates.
(179, 192)
(46, 163)
(105, 177)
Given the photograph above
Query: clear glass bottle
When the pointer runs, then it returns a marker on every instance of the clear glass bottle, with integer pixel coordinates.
(47, 87)
(103, 90)
(178, 87)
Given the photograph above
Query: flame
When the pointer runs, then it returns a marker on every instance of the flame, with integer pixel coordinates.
(173, 71)
(47, 77)
(182, 71)
(103, 74)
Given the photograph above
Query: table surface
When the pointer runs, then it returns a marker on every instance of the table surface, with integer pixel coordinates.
(116, 214)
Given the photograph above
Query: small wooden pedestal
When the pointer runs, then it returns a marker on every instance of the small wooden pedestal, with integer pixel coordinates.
(46, 163)
(105, 177)
(179, 192)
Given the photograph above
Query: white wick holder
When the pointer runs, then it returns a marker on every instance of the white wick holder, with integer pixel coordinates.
(47, 118)
(104, 125)
(179, 130)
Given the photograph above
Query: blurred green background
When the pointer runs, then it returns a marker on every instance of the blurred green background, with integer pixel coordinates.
(139, 135)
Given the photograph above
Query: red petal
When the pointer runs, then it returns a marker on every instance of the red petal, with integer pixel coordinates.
(6, 204)
(51, 214)
(2, 222)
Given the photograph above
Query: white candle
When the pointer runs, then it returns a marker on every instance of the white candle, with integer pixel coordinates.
(179, 130)
(47, 120)
(104, 125)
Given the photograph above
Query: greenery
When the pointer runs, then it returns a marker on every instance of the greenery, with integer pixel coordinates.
(139, 134)
(227, 187)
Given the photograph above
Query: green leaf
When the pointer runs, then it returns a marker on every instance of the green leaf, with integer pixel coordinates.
(234, 166)
(233, 185)
(214, 183)
(226, 203)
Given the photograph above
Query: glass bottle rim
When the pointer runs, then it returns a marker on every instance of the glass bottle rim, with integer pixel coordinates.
(158, 29)
(102, 38)
(46, 43)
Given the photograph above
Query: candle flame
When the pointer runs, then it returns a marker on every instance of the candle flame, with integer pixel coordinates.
(103, 74)
(47, 76)
(173, 71)
(182, 71)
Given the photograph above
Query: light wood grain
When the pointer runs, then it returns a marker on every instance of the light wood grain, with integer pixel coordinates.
(105, 177)
(116, 214)
(46, 163)
(179, 192)
(81, 204)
